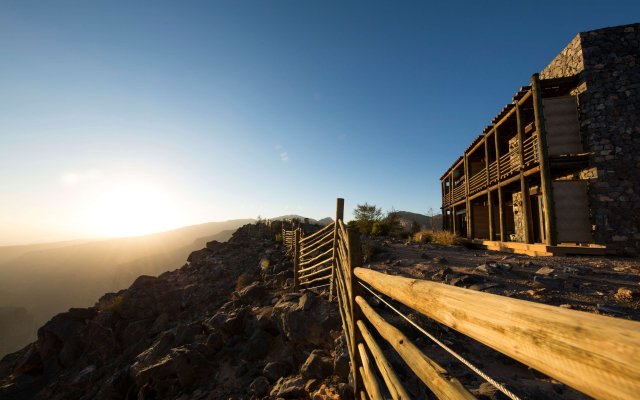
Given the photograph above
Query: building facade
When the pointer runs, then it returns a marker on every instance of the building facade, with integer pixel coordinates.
(558, 169)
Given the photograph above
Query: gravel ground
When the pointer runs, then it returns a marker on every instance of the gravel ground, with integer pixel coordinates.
(604, 285)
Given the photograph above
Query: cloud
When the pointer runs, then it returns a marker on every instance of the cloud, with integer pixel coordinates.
(77, 178)
(284, 156)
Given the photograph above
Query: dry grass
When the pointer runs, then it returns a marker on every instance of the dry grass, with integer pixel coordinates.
(438, 237)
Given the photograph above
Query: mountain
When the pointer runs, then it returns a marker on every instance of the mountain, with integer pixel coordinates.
(323, 221)
(42, 280)
(425, 221)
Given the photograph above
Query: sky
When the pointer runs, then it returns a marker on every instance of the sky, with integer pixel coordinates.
(123, 118)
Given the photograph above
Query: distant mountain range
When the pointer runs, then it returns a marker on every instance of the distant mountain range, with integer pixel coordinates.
(40, 280)
(425, 221)
(323, 221)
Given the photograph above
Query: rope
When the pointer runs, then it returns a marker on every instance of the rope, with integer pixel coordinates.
(445, 347)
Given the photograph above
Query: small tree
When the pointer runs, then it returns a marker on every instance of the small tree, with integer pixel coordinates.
(393, 224)
(365, 216)
(415, 227)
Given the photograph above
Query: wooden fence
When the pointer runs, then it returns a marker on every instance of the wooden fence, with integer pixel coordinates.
(595, 354)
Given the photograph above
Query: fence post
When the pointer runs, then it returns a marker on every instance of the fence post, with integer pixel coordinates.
(339, 217)
(296, 259)
(355, 260)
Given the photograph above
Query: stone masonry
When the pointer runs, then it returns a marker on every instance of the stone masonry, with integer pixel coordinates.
(608, 64)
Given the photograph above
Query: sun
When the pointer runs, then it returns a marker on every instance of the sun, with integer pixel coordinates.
(133, 209)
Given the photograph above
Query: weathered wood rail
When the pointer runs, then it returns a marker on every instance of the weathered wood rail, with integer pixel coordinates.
(595, 354)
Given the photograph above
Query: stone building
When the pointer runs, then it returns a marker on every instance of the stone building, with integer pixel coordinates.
(558, 169)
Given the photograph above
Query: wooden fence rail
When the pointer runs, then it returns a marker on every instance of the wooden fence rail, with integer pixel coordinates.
(595, 354)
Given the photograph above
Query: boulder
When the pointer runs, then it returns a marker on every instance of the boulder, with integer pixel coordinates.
(317, 366)
(260, 386)
(275, 370)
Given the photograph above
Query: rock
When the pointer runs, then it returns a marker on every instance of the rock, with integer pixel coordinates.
(440, 260)
(316, 366)
(259, 386)
(545, 271)
(484, 286)
(341, 366)
(308, 321)
(487, 269)
(252, 293)
(257, 346)
(549, 283)
(291, 388)
(275, 370)
(626, 294)
(424, 256)
(610, 310)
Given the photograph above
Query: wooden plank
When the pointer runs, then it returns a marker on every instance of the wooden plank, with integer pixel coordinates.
(354, 261)
(322, 278)
(594, 354)
(394, 385)
(314, 266)
(443, 385)
(314, 273)
(320, 243)
(368, 376)
(319, 256)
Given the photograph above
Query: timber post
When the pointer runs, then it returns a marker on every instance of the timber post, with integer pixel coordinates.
(339, 217)
(551, 238)
(296, 259)
(355, 261)
(523, 184)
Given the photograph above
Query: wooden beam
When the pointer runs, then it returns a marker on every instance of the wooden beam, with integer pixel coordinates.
(523, 184)
(466, 196)
(594, 354)
(490, 204)
(296, 259)
(551, 237)
(339, 216)
(368, 376)
(355, 260)
(500, 205)
(394, 385)
(443, 385)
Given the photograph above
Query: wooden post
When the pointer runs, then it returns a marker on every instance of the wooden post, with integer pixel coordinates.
(523, 184)
(467, 202)
(490, 204)
(453, 219)
(551, 238)
(355, 261)
(500, 215)
(296, 259)
(339, 217)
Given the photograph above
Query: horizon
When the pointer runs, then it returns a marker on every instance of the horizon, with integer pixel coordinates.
(124, 120)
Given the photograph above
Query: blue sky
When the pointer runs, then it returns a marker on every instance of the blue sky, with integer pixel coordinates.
(162, 114)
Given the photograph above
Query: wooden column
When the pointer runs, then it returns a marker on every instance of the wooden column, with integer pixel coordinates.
(339, 217)
(489, 204)
(500, 206)
(551, 238)
(296, 259)
(466, 196)
(355, 261)
(523, 184)
(453, 219)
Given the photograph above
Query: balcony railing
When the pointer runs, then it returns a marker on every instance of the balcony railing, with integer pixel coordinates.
(478, 182)
(510, 163)
(531, 150)
(459, 193)
(493, 172)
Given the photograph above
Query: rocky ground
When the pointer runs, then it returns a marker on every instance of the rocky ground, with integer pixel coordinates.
(228, 326)
(604, 285)
(224, 326)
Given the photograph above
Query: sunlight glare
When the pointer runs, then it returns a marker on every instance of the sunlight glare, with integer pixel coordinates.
(132, 210)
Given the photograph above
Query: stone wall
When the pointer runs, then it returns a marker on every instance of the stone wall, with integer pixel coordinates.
(610, 126)
(568, 63)
(609, 111)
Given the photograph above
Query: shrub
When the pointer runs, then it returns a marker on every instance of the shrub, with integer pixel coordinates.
(113, 305)
(279, 237)
(446, 238)
(423, 236)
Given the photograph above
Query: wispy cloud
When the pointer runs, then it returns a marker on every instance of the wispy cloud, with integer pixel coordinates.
(77, 178)
(284, 156)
